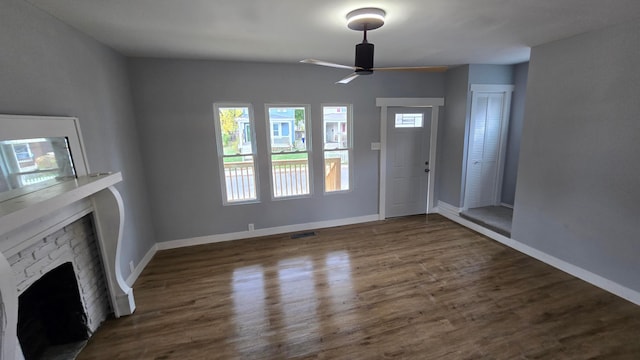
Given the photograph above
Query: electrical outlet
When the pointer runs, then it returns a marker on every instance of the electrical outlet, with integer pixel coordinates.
(131, 266)
(251, 227)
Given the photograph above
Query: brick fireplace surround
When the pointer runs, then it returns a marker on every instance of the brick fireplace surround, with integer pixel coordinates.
(74, 243)
(78, 221)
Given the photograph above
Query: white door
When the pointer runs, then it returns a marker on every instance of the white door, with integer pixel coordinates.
(487, 146)
(408, 143)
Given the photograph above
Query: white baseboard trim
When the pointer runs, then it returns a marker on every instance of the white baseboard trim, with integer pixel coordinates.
(452, 213)
(131, 279)
(209, 239)
(506, 205)
(448, 210)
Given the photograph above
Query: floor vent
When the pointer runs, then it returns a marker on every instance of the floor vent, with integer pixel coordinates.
(303, 234)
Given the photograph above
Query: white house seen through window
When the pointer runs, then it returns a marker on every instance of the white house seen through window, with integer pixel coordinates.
(289, 150)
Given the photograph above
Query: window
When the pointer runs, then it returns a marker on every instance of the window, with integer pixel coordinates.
(23, 153)
(236, 153)
(337, 147)
(289, 150)
(409, 120)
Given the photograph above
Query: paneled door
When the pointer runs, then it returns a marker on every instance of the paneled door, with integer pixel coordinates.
(408, 144)
(487, 144)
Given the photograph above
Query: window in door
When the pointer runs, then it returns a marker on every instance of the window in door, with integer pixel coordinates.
(409, 120)
(236, 153)
(289, 150)
(337, 147)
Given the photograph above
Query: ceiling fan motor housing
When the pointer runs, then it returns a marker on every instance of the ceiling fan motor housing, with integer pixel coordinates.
(364, 58)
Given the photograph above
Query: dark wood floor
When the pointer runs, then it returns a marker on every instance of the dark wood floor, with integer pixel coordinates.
(409, 288)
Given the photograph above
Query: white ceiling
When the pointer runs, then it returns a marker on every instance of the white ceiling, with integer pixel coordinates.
(416, 32)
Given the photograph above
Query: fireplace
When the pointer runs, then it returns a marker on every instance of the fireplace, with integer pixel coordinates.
(82, 233)
(66, 298)
(51, 315)
(74, 222)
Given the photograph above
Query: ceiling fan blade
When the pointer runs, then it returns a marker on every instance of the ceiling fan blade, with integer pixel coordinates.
(326, 63)
(348, 79)
(414, 68)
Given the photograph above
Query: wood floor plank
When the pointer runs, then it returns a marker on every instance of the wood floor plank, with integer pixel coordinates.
(408, 288)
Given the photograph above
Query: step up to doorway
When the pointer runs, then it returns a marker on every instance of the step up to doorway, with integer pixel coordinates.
(496, 218)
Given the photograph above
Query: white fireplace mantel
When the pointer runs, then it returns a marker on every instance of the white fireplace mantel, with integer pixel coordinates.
(24, 209)
(25, 219)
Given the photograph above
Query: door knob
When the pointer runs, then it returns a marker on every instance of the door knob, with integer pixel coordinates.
(426, 170)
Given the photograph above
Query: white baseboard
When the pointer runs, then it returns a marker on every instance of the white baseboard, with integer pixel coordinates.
(131, 279)
(506, 205)
(452, 213)
(448, 210)
(209, 239)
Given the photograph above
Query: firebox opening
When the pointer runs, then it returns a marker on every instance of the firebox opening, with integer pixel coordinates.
(50, 313)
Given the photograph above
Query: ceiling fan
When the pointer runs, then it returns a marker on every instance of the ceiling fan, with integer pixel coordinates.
(366, 19)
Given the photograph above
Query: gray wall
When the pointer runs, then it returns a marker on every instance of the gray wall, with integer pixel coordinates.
(174, 107)
(451, 136)
(491, 74)
(48, 68)
(578, 190)
(520, 73)
(452, 144)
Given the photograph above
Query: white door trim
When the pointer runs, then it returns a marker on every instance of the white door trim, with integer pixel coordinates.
(491, 88)
(476, 89)
(384, 104)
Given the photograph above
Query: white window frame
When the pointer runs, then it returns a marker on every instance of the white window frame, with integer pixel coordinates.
(348, 148)
(221, 156)
(308, 145)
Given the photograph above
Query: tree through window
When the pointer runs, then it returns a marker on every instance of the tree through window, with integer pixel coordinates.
(236, 152)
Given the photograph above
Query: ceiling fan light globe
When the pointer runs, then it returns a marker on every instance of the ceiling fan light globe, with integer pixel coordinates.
(365, 19)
